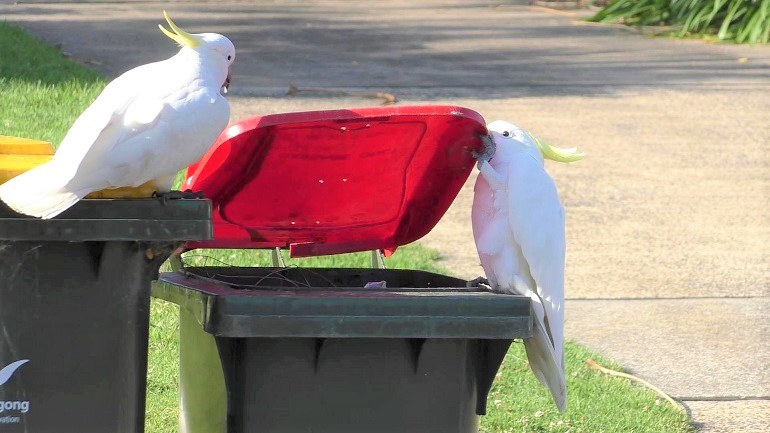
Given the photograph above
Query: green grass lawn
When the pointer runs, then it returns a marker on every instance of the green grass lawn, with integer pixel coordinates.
(42, 94)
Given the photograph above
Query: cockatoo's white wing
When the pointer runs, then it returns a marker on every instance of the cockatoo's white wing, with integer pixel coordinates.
(101, 121)
(536, 219)
(153, 138)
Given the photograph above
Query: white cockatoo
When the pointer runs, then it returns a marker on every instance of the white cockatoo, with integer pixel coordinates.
(145, 126)
(518, 226)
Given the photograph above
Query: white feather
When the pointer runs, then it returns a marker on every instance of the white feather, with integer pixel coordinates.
(518, 226)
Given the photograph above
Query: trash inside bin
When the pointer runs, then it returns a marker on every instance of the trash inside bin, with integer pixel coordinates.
(337, 350)
(74, 309)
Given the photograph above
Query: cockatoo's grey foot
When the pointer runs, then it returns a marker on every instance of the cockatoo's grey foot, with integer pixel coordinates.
(178, 195)
(475, 282)
(480, 282)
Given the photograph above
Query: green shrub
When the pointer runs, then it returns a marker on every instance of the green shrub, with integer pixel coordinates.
(743, 21)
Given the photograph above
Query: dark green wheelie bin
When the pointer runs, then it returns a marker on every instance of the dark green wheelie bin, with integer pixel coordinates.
(297, 350)
(74, 311)
(311, 350)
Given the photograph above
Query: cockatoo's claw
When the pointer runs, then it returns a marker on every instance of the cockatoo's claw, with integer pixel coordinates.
(194, 194)
(178, 195)
(486, 287)
(476, 282)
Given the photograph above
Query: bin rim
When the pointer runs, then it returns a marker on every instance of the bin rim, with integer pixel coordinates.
(339, 312)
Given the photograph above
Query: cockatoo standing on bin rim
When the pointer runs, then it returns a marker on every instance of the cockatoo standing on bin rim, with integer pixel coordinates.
(146, 125)
(518, 226)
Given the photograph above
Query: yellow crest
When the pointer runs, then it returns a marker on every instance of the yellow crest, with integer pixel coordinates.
(180, 36)
(557, 153)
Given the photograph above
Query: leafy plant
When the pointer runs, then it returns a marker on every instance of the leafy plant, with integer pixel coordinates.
(744, 21)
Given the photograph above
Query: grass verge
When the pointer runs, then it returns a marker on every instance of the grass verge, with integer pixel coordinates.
(42, 94)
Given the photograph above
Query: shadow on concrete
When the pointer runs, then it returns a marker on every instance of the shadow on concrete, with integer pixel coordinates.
(415, 48)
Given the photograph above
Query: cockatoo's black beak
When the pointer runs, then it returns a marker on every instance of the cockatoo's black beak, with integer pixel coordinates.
(489, 148)
(226, 84)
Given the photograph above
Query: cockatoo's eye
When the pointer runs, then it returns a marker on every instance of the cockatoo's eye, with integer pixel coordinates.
(229, 58)
(506, 134)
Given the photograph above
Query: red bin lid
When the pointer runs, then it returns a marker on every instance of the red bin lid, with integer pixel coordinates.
(329, 182)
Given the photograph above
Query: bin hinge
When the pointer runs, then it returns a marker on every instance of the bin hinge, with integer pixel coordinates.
(378, 262)
(278, 261)
(175, 261)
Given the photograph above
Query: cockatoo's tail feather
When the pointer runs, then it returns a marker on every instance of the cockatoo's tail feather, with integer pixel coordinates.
(542, 361)
(40, 192)
(181, 37)
(559, 154)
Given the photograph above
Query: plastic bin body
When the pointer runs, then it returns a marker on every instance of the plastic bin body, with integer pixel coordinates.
(74, 303)
(258, 354)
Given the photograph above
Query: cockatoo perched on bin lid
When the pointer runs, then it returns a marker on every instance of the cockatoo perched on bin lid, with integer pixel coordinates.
(518, 226)
(145, 126)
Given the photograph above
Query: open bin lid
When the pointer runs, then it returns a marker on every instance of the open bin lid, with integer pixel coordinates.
(330, 182)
